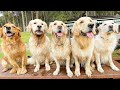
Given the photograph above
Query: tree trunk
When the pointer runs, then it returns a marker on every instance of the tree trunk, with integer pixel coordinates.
(37, 14)
(23, 20)
(26, 18)
(32, 15)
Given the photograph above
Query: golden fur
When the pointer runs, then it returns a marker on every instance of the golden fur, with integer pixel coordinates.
(14, 50)
(82, 45)
(60, 46)
(39, 44)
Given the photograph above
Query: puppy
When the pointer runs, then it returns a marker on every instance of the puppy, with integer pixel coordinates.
(39, 44)
(105, 43)
(60, 46)
(83, 44)
(14, 49)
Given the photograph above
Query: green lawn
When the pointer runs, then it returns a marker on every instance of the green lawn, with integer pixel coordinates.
(25, 38)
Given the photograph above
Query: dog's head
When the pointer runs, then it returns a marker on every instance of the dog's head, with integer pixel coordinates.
(37, 27)
(9, 30)
(58, 28)
(84, 26)
(108, 27)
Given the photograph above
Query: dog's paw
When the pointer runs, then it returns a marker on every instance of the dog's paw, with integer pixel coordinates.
(36, 69)
(47, 67)
(77, 73)
(13, 70)
(23, 71)
(115, 68)
(18, 71)
(88, 73)
(100, 70)
(70, 74)
(5, 69)
(55, 72)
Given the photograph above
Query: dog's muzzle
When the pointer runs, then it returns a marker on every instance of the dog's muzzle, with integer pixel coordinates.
(38, 32)
(9, 33)
(59, 33)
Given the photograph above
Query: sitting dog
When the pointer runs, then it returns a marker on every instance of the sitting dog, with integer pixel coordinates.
(14, 49)
(60, 46)
(39, 44)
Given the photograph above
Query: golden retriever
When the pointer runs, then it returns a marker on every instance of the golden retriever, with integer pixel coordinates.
(14, 49)
(60, 46)
(83, 44)
(105, 43)
(39, 44)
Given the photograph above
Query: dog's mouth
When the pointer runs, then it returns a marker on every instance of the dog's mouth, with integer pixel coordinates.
(89, 34)
(59, 34)
(38, 32)
(9, 34)
(110, 30)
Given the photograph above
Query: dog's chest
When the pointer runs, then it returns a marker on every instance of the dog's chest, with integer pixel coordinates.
(60, 52)
(105, 45)
(38, 49)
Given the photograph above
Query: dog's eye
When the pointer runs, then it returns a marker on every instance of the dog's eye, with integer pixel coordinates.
(90, 20)
(81, 22)
(62, 24)
(4, 26)
(104, 24)
(54, 23)
(34, 22)
(112, 23)
(42, 23)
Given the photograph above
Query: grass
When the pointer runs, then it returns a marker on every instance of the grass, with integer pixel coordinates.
(25, 38)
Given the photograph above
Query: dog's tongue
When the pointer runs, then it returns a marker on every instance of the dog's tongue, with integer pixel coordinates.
(10, 34)
(59, 34)
(90, 35)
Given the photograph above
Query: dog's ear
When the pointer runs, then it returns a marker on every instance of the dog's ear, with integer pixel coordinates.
(65, 29)
(1, 32)
(46, 27)
(19, 31)
(74, 30)
(97, 31)
(94, 27)
(49, 30)
(29, 28)
(116, 28)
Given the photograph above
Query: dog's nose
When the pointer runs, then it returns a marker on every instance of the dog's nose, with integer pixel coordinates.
(59, 27)
(90, 25)
(39, 26)
(8, 28)
(111, 26)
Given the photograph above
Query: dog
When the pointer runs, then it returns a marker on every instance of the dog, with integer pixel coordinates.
(105, 43)
(39, 44)
(14, 49)
(60, 46)
(82, 43)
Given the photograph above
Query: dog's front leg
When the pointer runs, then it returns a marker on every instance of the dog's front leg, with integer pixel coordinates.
(37, 67)
(112, 64)
(47, 66)
(57, 67)
(16, 67)
(69, 72)
(99, 67)
(88, 67)
(24, 63)
(77, 66)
